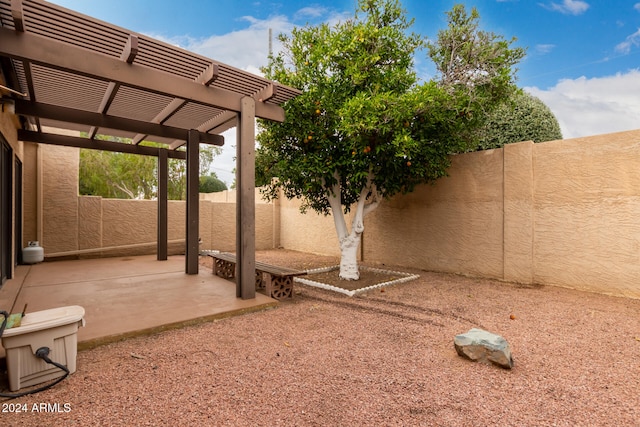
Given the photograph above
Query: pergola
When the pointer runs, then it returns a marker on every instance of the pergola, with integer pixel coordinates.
(70, 71)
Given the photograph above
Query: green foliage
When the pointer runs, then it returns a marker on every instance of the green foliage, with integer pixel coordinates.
(132, 176)
(211, 184)
(116, 175)
(364, 121)
(522, 118)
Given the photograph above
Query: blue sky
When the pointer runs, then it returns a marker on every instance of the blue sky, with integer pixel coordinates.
(583, 56)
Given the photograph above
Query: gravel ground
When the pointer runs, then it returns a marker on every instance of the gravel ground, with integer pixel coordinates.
(377, 359)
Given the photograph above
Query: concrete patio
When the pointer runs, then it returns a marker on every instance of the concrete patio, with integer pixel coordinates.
(126, 296)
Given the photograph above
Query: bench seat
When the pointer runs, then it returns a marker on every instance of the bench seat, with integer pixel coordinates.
(276, 281)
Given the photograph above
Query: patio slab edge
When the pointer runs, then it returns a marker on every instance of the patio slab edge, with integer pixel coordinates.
(109, 339)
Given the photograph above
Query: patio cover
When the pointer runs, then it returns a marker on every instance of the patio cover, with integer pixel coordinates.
(78, 73)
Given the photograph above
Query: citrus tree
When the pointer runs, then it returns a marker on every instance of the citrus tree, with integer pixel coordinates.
(365, 127)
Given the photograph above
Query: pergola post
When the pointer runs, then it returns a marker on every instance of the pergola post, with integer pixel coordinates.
(163, 218)
(193, 202)
(245, 201)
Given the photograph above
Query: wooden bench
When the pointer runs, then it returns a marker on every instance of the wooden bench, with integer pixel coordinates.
(276, 281)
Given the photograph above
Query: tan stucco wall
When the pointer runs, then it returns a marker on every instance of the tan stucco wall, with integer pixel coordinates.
(453, 226)
(587, 213)
(218, 221)
(308, 232)
(59, 198)
(563, 213)
(559, 213)
(8, 127)
(128, 227)
(30, 226)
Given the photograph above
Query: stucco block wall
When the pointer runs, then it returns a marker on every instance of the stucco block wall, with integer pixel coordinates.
(518, 212)
(218, 230)
(563, 213)
(124, 221)
(30, 224)
(587, 213)
(59, 197)
(308, 232)
(218, 221)
(558, 213)
(8, 127)
(455, 225)
(129, 227)
(90, 222)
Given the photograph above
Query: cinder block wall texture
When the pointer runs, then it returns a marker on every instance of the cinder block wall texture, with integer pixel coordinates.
(563, 213)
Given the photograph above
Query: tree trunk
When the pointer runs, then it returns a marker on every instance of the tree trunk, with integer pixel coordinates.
(350, 242)
(349, 255)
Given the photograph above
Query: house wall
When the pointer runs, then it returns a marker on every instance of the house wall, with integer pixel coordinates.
(9, 125)
(30, 228)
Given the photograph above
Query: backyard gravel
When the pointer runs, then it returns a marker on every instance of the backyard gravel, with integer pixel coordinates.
(381, 358)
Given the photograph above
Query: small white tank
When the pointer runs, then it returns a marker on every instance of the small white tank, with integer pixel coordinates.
(33, 253)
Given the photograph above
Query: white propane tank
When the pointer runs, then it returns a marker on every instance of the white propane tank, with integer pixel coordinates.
(33, 253)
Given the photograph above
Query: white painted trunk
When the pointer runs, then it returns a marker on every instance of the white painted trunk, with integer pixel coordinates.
(349, 257)
(350, 241)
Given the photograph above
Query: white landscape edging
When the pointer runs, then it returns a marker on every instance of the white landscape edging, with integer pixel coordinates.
(406, 277)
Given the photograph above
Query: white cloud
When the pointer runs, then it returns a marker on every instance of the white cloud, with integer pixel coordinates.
(630, 41)
(594, 106)
(568, 7)
(246, 49)
(637, 7)
(310, 12)
(544, 48)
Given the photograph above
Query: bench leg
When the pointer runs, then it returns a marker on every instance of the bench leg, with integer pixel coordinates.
(278, 287)
(224, 269)
(260, 281)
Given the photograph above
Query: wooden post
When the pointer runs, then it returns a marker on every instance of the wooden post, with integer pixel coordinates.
(163, 227)
(245, 202)
(193, 202)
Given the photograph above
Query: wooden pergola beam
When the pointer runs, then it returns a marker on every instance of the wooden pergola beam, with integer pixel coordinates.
(218, 124)
(71, 115)
(94, 144)
(62, 56)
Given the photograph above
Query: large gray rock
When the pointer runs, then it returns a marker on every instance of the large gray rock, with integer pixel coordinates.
(482, 346)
